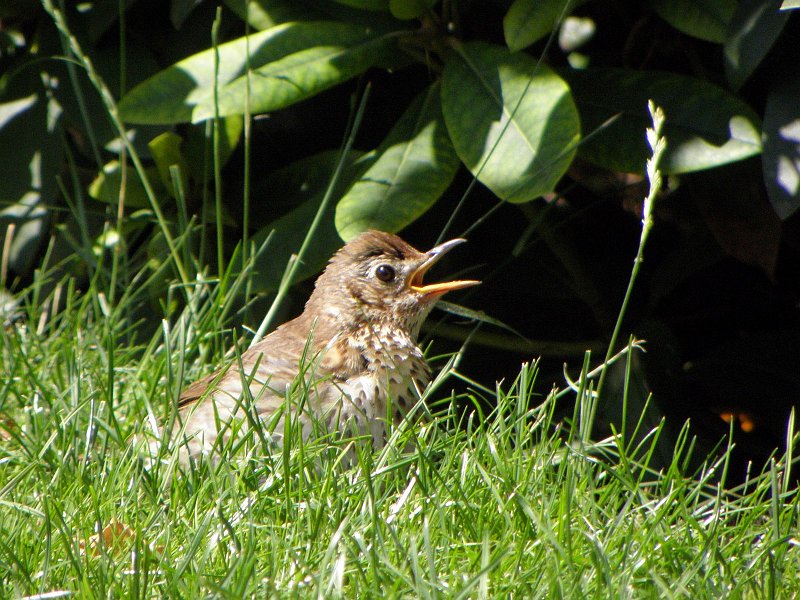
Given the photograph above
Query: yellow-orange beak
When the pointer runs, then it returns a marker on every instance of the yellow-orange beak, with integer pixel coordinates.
(437, 289)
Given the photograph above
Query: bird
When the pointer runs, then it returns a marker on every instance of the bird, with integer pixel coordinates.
(349, 363)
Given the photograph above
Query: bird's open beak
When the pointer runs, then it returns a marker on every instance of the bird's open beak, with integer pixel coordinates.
(433, 255)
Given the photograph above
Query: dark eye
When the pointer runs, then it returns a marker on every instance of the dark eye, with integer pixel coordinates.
(385, 273)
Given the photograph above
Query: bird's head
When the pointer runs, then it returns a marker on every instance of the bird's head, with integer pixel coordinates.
(378, 278)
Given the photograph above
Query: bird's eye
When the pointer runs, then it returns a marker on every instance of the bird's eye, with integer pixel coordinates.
(385, 273)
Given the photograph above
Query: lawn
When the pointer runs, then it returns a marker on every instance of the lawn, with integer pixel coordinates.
(509, 504)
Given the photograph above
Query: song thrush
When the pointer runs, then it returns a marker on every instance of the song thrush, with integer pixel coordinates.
(352, 352)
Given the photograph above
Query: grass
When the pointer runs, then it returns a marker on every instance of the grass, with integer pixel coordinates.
(517, 503)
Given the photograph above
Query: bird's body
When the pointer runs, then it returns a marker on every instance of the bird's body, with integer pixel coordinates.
(349, 362)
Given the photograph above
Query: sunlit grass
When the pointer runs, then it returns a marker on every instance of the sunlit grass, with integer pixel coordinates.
(517, 504)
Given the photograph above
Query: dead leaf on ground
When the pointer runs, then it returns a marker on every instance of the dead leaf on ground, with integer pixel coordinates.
(7, 426)
(115, 536)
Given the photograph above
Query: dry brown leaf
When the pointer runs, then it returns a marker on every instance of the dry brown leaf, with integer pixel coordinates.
(6, 427)
(115, 535)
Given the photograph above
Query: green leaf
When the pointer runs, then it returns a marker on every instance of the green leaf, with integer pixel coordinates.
(306, 180)
(31, 154)
(289, 62)
(528, 21)
(28, 148)
(199, 148)
(179, 10)
(512, 121)
(366, 4)
(781, 157)
(299, 76)
(289, 232)
(413, 167)
(410, 9)
(706, 126)
(30, 216)
(704, 19)
(97, 18)
(106, 186)
(166, 152)
(231, 129)
(753, 30)
(263, 14)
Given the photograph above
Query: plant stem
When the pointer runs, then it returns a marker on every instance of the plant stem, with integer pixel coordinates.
(216, 141)
(657, 145)
(113, 113)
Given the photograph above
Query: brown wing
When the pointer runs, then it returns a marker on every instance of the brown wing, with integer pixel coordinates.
(196, 390)
(278, 357)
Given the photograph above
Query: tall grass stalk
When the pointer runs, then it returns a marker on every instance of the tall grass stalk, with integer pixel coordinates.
(113, 114)
(657, 147)
(216, 124)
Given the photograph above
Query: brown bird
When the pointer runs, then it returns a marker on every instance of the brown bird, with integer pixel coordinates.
(352, 353)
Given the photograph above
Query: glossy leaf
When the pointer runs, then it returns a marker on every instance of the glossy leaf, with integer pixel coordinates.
(166, 152)
(528, 21)
(305, 180)
(410, 9)
(512, 121)
(299, 76)
(781, 157)
(23, 135)
(96, 18)
(30, 216)
(412, 168)
(755, 26)
(366, 4)
(704, 19)
(706, 126)
(263, 14)
(31, 155)
(106, 186)
(199, 147)
(289, 63)
(179, 11)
